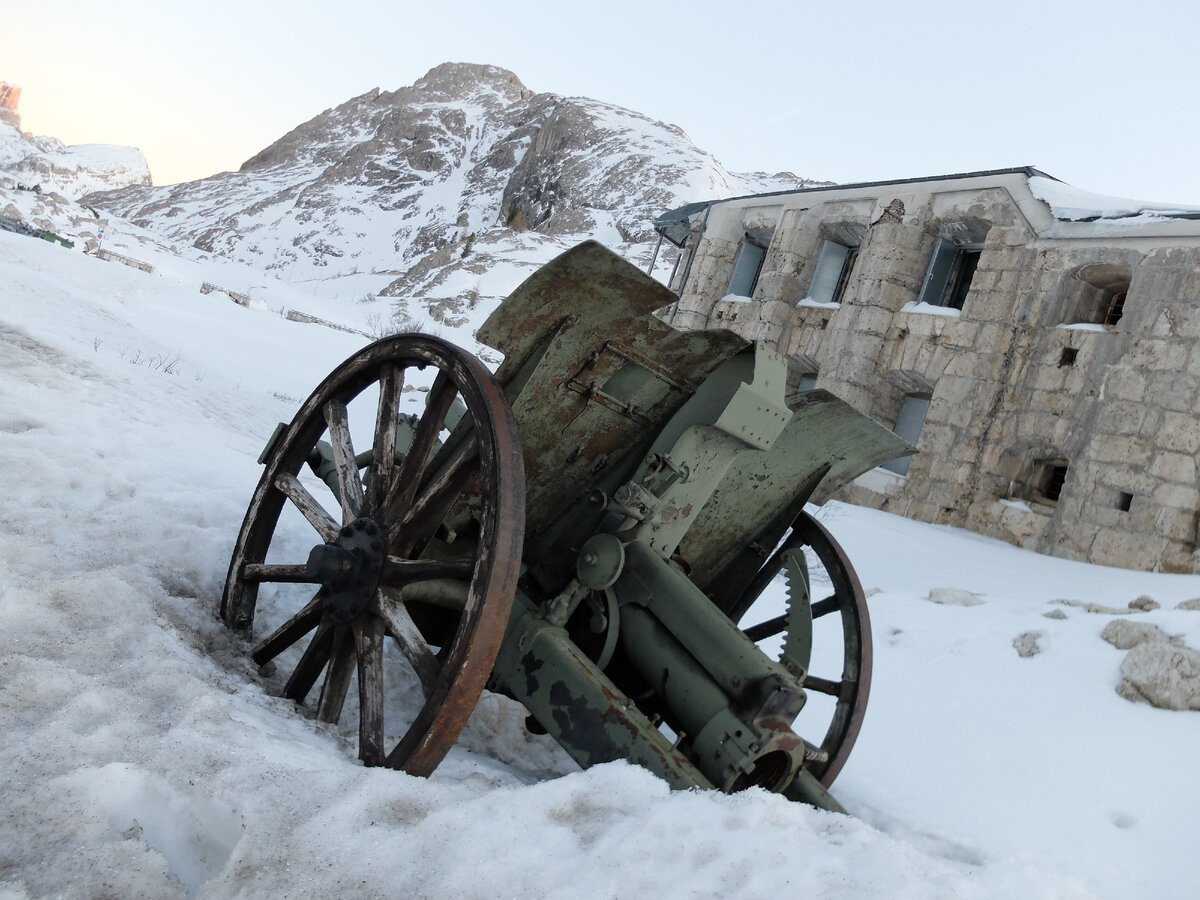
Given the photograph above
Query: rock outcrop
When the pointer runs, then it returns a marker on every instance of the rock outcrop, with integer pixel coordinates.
(1158, 669)
(1162, 674)
(10, 99)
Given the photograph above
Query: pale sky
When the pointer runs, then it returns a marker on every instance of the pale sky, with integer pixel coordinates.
(1099, 94)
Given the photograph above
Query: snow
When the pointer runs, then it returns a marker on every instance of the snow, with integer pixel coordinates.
(930, 309)
(1072, 204)
(13, 146)
(810, 303)
(144, 756)
(74, 171)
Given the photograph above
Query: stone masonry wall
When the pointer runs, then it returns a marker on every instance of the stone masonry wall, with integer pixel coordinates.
(1019, 381)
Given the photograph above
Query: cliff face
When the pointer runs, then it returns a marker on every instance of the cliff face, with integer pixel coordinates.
(10, 98)
(411, 192)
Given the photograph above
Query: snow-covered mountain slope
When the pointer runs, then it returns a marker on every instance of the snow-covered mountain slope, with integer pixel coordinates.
(69, 170)
(370, 316)
(416, 193)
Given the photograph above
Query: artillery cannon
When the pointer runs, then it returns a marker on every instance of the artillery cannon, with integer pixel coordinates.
(583, 532)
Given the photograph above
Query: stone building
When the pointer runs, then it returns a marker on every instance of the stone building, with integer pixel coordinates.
(1037, 344)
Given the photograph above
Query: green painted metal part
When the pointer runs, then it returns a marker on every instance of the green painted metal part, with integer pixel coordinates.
(577, 703)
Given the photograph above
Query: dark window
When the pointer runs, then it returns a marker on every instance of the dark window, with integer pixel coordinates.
(746, 268)
(948, 279)
(909, 423)
(1114, 303)
(807, 382)
(1096, 295)
(1049, 476)
(832, 272)
(1124, 501)
(1068, 357)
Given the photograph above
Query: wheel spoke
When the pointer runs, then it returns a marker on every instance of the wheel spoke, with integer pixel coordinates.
(288, 633)
(368, 646)
(391, 381)
(776, 625)
(769, 628)
(408, 638)
(308, 505)
(311, 663)
(445, 593)
(825, 686)
(337, 677)
(398, 572)
(350, 486)
(437, 406)
(824, 607)
(291, 574)
(429, 509)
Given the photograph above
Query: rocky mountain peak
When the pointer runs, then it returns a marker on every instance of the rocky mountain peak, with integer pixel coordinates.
(462, 80)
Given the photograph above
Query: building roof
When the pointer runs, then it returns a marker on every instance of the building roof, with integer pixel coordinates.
(1075, 212)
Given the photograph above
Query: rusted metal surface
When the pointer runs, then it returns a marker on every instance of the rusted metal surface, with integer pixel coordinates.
(849, 602)
(568, 334)
(349, 616)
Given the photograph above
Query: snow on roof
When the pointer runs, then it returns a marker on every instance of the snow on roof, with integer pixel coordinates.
(1070, 204)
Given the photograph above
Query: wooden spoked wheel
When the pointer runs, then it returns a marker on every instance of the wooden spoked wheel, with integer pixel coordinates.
(418, 543)
(845, 605)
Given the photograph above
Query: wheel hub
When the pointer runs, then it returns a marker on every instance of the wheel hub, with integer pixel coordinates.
(348, 569)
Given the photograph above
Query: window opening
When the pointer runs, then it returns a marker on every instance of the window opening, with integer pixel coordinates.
(948, 279)
(1097, 295)
(807, 382)
(1049, 476)
(1068, 357)
(832, 272)
(1056, 476)
(1124, 501)
(1115, 307)
(746, 269)
(909, 423)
